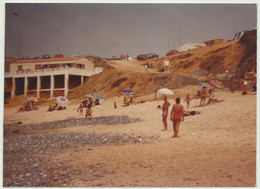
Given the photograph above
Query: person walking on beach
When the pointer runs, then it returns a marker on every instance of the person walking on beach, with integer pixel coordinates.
(203, 96)
(165, 108)
(177, 115)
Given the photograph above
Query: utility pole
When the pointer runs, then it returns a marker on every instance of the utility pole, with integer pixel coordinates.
(173, 43)
(179, 41)
(6, 44)
(114, 49)
(20, 47)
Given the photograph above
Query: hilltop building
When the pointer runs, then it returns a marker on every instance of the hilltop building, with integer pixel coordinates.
(213, 42)
(189, 46)
(38, 76)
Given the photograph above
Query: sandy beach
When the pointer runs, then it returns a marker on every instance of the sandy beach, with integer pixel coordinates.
(215, 148)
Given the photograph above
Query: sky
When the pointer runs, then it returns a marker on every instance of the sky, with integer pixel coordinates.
(106, 30)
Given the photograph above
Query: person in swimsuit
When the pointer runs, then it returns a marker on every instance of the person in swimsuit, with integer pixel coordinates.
(203, 96)
(177, 115)
(188, 113)
(80, 109)
(211, 96)
(89, 113)
(188, 100)
(165, 108)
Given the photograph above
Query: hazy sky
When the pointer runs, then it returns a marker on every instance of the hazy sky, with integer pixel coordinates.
(112, 29)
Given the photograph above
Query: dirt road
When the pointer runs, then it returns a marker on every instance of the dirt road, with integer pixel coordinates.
(131, 66)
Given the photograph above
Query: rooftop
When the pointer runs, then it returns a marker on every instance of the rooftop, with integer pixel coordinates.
(49, 60)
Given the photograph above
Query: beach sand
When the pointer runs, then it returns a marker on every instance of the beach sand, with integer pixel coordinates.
(215, 148)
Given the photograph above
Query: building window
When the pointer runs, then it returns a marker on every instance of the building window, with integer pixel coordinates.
(19, 68)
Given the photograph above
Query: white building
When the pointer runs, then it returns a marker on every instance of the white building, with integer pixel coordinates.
(39, 71)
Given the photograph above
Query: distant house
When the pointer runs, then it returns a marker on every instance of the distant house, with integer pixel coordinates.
(189, 46)
(213, 42)
(240, 34)
(171, 52)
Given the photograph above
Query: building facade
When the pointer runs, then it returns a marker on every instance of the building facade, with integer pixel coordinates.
(40, 75)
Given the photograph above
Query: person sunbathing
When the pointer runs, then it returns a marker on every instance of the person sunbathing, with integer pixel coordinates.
(51, 108)
(188, 113)
(197, 96)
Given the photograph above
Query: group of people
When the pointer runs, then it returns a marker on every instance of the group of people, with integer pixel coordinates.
(28, 106)
(88, 104)
(55, 107)
(124, 57)
(127, 102)
(176, 115)
(202, 94)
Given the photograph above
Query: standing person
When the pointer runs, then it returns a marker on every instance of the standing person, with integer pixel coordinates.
(127, 56)
(155, 95)
(125, 101)
(232, 85)
(89, 113)
(177, 115)
(165, 108)
(187, 99)
(211, 96)
(203, 96)
(80, 109)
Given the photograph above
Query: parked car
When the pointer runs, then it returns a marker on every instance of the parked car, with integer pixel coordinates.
(46, 56)
(147, 56)
(59, 56)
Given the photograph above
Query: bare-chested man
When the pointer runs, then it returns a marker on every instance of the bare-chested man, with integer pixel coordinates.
(177, 115)
(165, 108)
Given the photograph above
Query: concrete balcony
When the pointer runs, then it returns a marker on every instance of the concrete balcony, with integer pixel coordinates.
(54, 71)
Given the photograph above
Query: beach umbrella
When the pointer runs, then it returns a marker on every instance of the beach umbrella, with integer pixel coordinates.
(98, 96)
(62, 100)
(89, 96)
(128, 91)
(165, 91)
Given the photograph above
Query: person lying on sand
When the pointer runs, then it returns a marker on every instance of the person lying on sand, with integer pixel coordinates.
(61, 108)
(21, 109)
(51, 108)
(188, 113)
